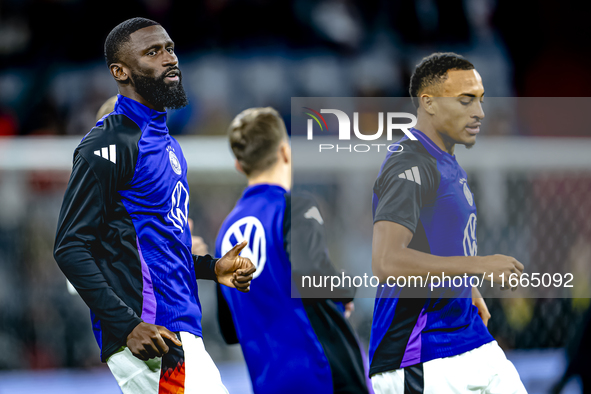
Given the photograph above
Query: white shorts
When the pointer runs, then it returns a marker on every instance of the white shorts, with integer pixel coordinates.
(484, 370)
(188, 369)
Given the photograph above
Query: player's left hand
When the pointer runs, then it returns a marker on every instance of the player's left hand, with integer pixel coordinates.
(235, 271)
(483, 312)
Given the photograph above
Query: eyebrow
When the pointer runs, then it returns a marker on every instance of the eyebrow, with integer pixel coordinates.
(469, 95)
(158, 45)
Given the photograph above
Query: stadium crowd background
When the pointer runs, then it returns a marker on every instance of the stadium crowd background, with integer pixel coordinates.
(236, 54)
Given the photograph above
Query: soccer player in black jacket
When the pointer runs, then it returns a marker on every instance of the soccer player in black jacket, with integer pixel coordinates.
(123, 237)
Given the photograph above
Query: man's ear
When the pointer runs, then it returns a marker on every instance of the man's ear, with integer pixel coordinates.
(285, 152)
(427, 103)
(238, 166)
(120, 72)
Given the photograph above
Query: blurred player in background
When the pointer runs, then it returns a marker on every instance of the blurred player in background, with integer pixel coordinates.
(198, 245)
(291, 345)
(123, 239)
(424, 219)
(107, 107)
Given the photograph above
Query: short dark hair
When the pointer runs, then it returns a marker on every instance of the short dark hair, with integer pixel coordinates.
(433, 69)
(255, 135)
(120, 35)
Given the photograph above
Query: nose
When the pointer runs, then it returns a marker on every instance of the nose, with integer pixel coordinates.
(479, 111)
(169, 59)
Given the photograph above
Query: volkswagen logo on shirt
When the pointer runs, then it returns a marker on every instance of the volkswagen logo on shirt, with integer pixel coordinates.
(174, 161)
(470, 245)
(251, 229)
(179, 212)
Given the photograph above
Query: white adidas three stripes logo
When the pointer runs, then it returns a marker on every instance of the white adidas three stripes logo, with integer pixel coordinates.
(411, 174)
(108, 152)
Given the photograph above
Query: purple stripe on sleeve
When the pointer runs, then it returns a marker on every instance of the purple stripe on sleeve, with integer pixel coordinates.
(149, 300)
(412, 354)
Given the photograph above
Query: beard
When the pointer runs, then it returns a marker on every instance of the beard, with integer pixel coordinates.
(160, 94)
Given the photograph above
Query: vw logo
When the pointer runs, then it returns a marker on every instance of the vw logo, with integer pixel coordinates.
(251, 229)
(470, 246)
(180, 207)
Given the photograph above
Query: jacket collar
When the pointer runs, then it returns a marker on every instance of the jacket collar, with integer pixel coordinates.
(141, 114)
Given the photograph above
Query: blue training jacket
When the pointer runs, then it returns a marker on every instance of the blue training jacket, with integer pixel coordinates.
(123, 239)
(424, 189)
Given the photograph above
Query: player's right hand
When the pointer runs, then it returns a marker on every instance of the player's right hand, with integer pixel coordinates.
(146, 341)
(501, 266)
(235, 271)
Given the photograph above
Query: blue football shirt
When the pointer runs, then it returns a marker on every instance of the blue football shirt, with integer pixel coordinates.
(123, 239)
(424, 189)
(273, 328)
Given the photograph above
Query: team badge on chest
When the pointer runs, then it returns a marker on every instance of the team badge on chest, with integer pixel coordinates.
(174, 161)
(467, 191)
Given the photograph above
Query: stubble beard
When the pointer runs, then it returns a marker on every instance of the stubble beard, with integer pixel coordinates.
(450, 143)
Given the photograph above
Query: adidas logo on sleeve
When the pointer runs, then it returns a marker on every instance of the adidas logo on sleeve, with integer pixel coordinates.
(108, 152)
(411, 174)
(314, 213)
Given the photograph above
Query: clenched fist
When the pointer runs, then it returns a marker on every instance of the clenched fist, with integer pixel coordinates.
(146, 341)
